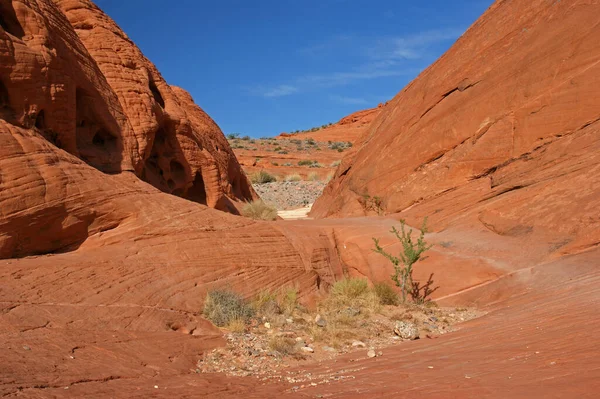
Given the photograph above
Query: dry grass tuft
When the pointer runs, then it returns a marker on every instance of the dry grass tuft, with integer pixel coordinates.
(259, 210)
(294, 177)
(236, 326)
(352, 292)
(262, 177)
(386, 294)
(285, 346)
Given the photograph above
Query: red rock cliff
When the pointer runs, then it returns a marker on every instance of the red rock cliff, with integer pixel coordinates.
(502, 131)
(76, 79)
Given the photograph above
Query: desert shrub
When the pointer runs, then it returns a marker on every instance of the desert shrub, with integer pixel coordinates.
(306, 162)
(262, 177)
(232, 136)
(275, 163)
(289, 300)
(313, 176)
(310, 141)
(410, 254)
(352, 292)
(316, 165)
(223, 307)
(278, 148)
(374, 203)
(340, 146)
(266, 303)
(236, 326)
(284, 345)
(294, 177)
(282, 152)
(259, 210)
(287, 164)
(386, 294)
(270, 303)
(335, 164)
(246, 138)
(421, 293)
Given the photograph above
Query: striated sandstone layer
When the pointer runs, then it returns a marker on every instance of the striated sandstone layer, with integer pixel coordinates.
(116, 290)
(103, 276)
(500, 134)
(76, 79)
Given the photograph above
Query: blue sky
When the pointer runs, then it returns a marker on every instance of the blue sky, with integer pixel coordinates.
(262, 67)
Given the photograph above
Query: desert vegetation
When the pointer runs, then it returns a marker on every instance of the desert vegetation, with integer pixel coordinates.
(262, 177)
(403, 263)
(259, 210)
(274, 325)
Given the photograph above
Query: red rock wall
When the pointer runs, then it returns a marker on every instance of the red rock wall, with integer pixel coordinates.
(501, 131)
(82, 84)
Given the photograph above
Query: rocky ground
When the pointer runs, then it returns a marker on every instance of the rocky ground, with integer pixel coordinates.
(290, 195)
(252, 353)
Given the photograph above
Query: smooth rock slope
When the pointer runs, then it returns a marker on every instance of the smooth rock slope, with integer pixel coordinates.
(500, 133)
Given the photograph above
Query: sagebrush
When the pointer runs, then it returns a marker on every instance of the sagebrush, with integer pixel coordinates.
(224, 307)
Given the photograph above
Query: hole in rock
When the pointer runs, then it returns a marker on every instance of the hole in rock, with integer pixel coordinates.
(177, 171)
(104, 139)
(197, 192)
(4, 99)
(9, 21)
(96, 144)
(6, 112)
(40, 120)
(156, 94)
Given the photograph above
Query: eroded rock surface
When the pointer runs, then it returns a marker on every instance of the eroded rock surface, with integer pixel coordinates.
(76, 79)
(103, 276)
(501, 133)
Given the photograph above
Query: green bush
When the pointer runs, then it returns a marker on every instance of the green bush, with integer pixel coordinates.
(386, 294)
(262, 177)
(306, 162)
(258, 210)
(223, 307)
(403, 263)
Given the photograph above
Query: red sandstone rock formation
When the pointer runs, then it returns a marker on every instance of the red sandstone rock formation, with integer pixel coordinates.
(109, 306)
(500, 133)
(349, 128)
(88, 89)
